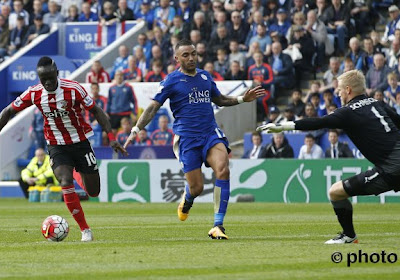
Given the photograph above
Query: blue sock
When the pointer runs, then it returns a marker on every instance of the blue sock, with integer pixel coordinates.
(221, 198)
(188, 196)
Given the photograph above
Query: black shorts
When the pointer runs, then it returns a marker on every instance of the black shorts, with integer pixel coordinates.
(371, 182)
(115, 121)
(79, 155)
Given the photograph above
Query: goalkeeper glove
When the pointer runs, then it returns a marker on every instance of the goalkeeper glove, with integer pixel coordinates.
(275, 128)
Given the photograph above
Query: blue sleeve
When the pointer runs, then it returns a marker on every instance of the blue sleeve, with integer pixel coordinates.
(214, 90)
(171, 14)
(163, 92)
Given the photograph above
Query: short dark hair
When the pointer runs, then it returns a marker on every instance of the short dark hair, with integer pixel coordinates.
(46, 61)
(183, 42)
(309, 135)
(334, 131)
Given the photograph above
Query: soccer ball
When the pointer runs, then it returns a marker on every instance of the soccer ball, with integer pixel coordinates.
(55, 228)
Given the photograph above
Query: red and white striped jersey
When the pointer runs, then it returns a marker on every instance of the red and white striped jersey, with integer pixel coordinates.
(64, 123)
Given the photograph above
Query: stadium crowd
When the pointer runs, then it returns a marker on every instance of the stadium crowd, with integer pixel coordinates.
(274, 43)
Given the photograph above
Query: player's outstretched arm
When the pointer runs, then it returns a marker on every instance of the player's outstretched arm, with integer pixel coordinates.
(249, 95)
(5, 115)
(144, 119)
(102, 119)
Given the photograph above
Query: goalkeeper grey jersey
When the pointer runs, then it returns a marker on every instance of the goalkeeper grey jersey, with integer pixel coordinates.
(372, 126)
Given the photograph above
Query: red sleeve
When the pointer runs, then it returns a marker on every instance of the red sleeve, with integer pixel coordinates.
(163, 75)
(146, 79)
(139, 73)
(83, 97)
(270, 74)
(23, 101)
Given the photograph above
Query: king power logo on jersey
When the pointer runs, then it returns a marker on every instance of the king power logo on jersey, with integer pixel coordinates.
(128, 181)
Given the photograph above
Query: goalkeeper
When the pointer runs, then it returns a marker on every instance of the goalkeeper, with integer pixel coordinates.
(373, 127)
(38, 172)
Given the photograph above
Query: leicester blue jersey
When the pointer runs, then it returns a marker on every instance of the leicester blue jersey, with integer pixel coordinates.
(190, 102)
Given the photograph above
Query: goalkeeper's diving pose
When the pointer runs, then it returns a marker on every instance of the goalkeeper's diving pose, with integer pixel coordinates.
(198, 139)
(373, 127)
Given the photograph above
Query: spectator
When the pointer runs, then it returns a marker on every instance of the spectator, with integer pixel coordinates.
(170, 69)
(37, 130)
(356, 54)
(376, 40)
(279, 148)
(145, 43)
(121, 62)
(133, 73)
(360, 13)
(143, 139)
(327, 100)
(263, 39)
(239, 29)
(67, 4)
(369, 54)
(274, 115)
(53, 16)
(348, 65)
(123, 13)
(393, 88)
(177, 27)
(156, 74)
(18, 12)
(310, 111)
(256, 6)
(156, 54)
(337, 149)
(310, 150)
(87, 14)
(242, 7)
(376, 76)
(220, 19)
(4, 37)
(163, 135)
(109, 17)
(282, 24)
(142, 63)
(378, 95)
(299, 7)
(289, 115)
(126, 126)
(396, 106)
(209, 67)
(297, 104)
(318, 32)
(337, 22)
(219, 41)
(394, 53)
(304, 43)
(5, 12)
(121, 101)
(235, 54)
(195, 37)
(205, 7)
(100, 101)
(37, 29)
(37, 10)
(333, 71)
(97, 74)
(146, 14)
(321, 9)
(393, 24)
(202, 55)
(299, 19)
(261, 74)
(38, 172)
(184, 11)
(199, 23)
(272, 8)
(17, 36)
(255, 152)
(163, 15)
(257, 19)
(282, 67)
(73, 14)
(221, 65)
(235, 73)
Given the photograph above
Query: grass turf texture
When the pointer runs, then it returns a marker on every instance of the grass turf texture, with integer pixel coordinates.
(146, 241)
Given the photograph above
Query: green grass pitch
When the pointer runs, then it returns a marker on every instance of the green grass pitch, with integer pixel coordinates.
(147, 241)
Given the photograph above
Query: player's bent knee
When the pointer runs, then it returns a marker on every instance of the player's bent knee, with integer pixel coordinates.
(335, 192)
(223, 173)
(196, 190)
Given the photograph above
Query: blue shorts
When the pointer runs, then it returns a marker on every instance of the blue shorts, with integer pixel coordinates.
(192, 151)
